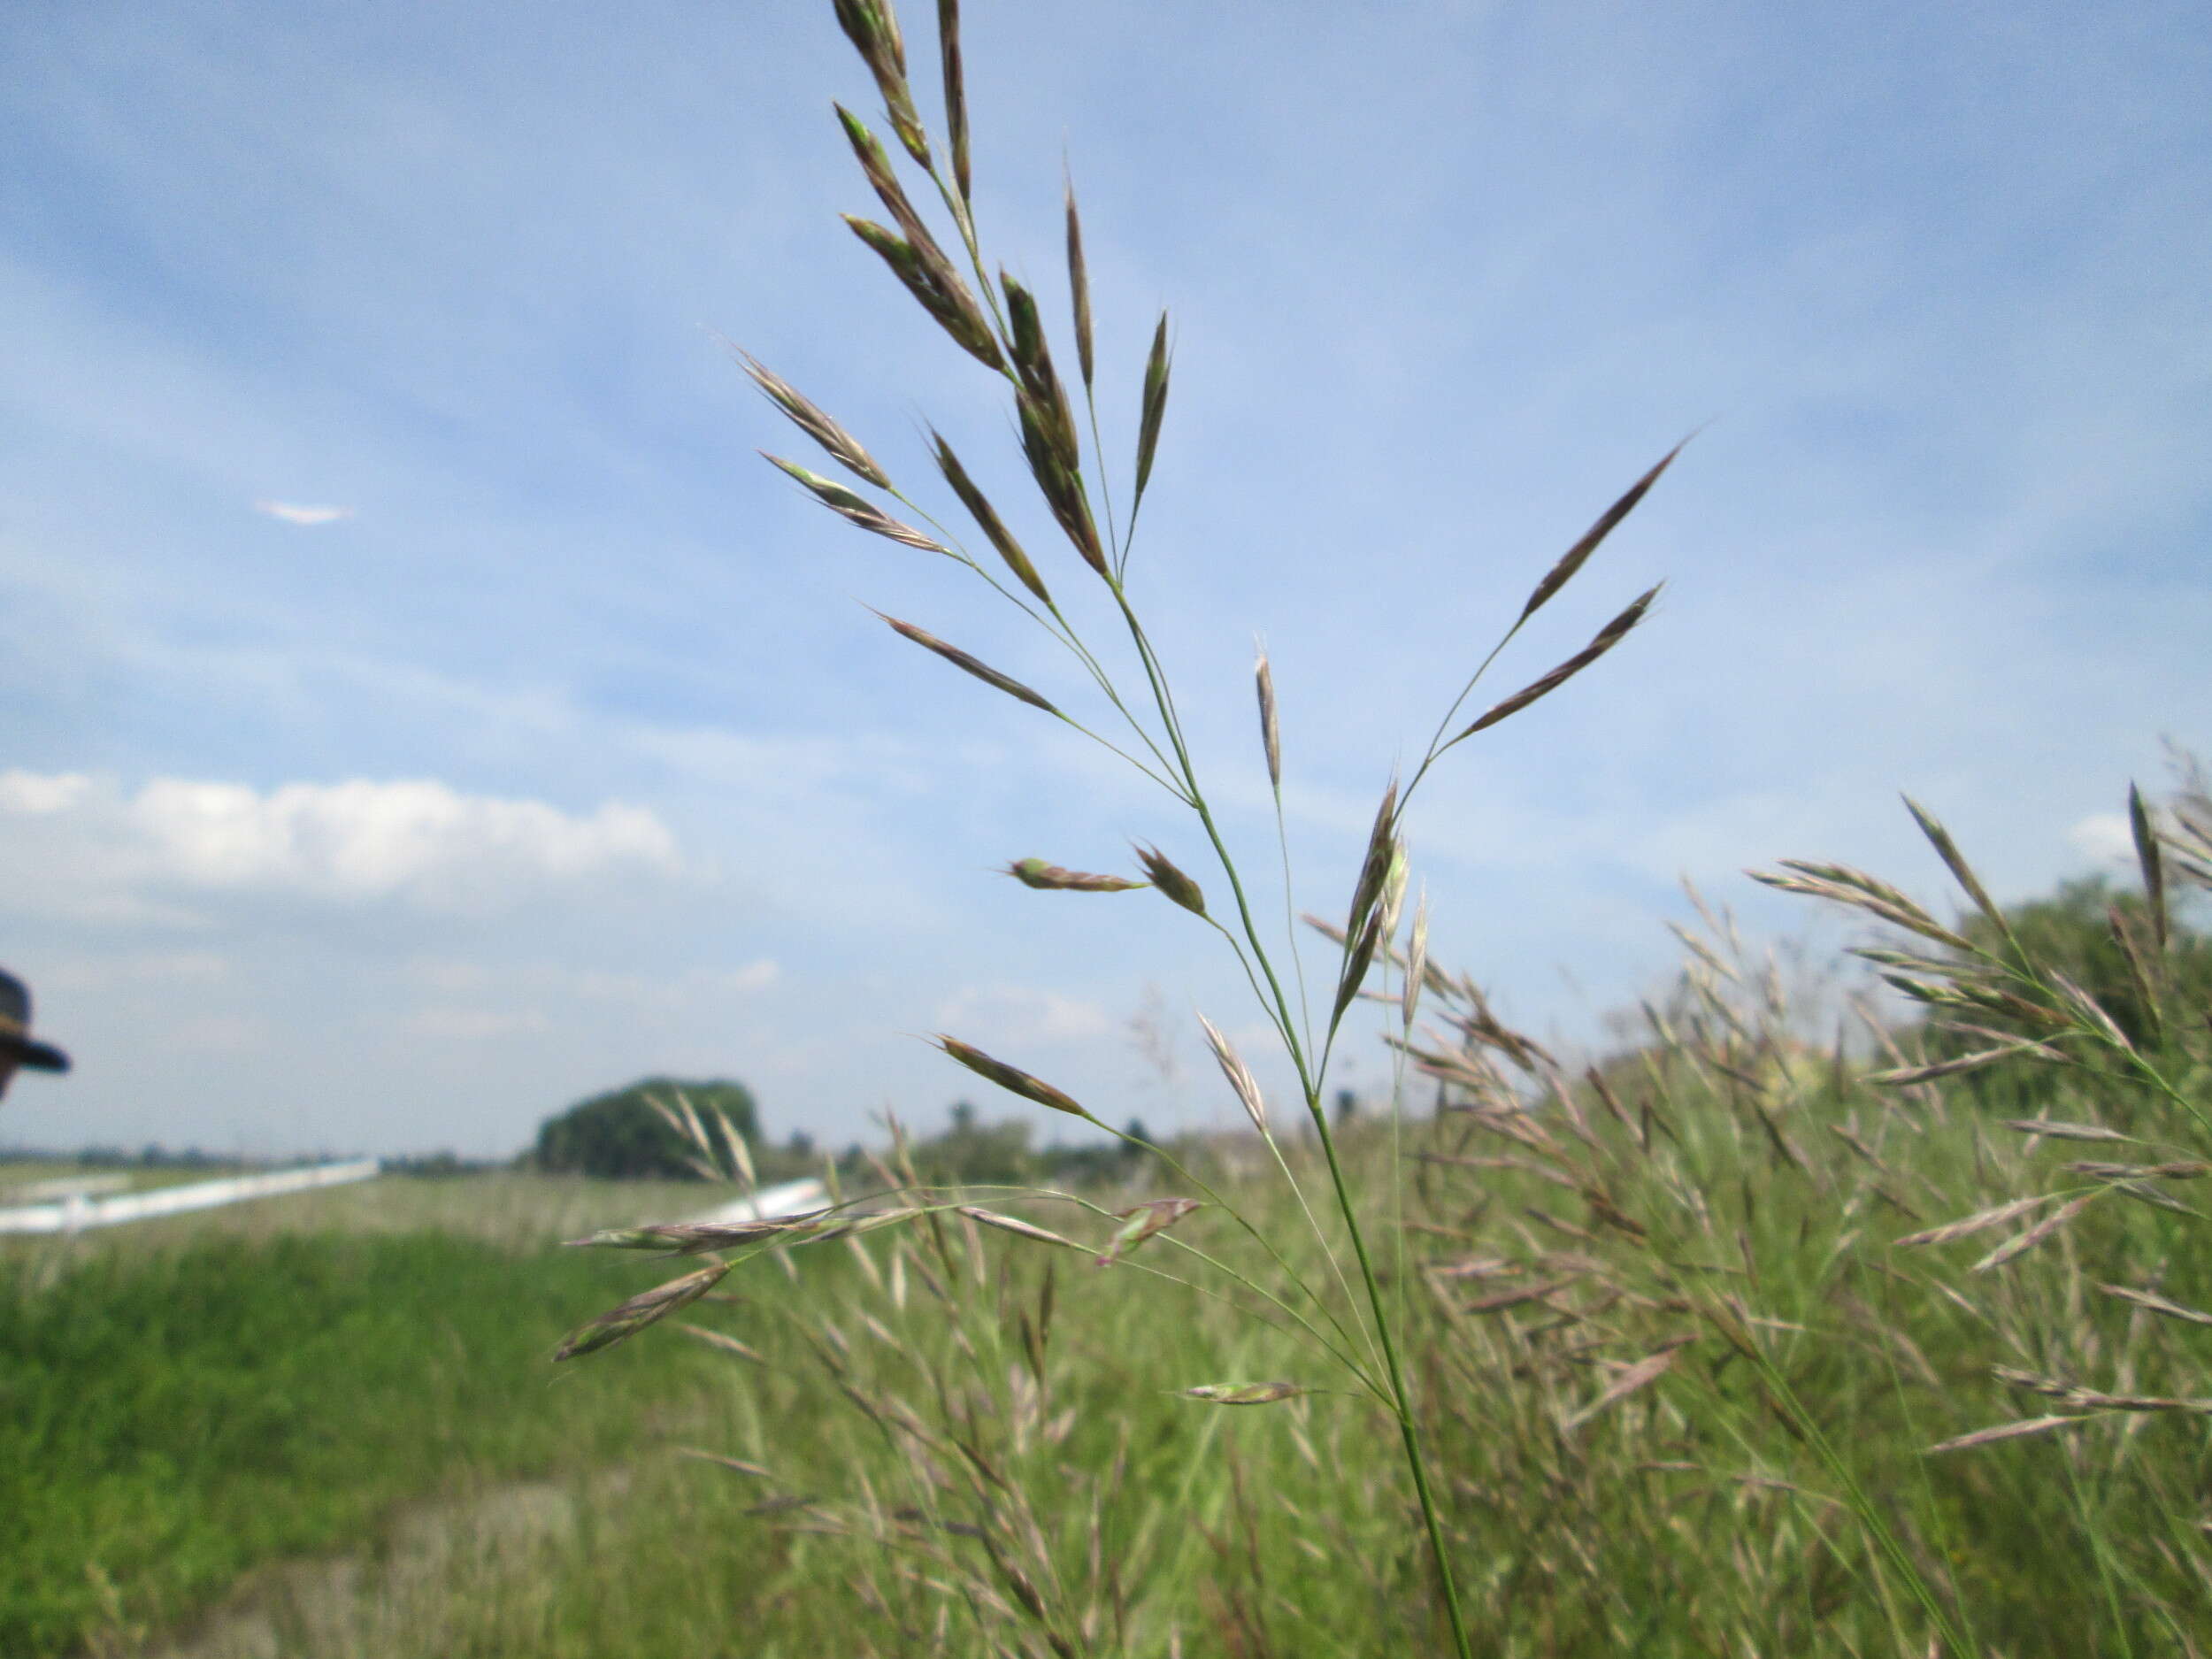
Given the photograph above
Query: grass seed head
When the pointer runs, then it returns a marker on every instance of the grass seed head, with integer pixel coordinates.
(1261, 1393)
(1011, 1078)
(691, 1238)
(1140, 1222)
(619, 1324)
(1059, 484)
(1156, 376)
(2004, 1431)
(1239, 1075)
(872, 27)
(1611, 634)
(1040, 381)
(1955, 861)
(2151, 861)
(2020, 1243)
(966, 664)
(1035, 873)
(856, 509)
(1374, 871)
(840, 445)
(1573, 559)
(1271, 729)
(1016, 1225)
(1170, 880)
(956, 94)
(929, 277)
(1417, 961)
(981, 509)
(1079, 287)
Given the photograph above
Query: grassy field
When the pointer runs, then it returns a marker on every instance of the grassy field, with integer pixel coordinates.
(1681, 1375)
(183, 1400)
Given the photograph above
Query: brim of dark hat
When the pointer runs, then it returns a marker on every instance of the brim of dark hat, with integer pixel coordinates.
(35, 1057)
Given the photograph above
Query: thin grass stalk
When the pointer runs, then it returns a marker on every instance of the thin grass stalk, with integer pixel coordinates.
(1310, 1084)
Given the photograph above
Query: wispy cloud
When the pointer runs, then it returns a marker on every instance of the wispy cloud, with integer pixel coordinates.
(292, 512)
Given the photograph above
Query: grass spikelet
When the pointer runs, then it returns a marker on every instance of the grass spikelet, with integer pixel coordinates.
(1997, 1215)
(1642, 1374)
(1572, 560)
(2091, 1010)
(2189, 1170)
(735, 1466)
(1011, 1078)
(2022, 1242)
(1357, 960)
(1839, 884)
(1374, 871)
(955, 96)
(1016, 1225)
(1393, 893)
(936, 286)
(981, 509)
(1239, 1075)
(1035, 873)
(2151, 861)
(1261, 1394)
(1611, 634)
(966, 664)
(856, 509)
(1040, 381)
(723, 1341)
(840, 445)
(875, 166)
(1271, 729)
(1058, 483)
(1170, 880)
(2004, 1431)
(692, 1238)
(1904, 1076)
(1079, 288)
(1140, 1222)
(2058, 1131)
(1156, 376)
(872, 27)
(2095, 1400)
(2157, 1304)
(619, 1324)
(1963, 873)
(1417, 963)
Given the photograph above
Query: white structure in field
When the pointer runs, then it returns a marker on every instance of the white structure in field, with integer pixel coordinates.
(90, 1204)
(790, 1198)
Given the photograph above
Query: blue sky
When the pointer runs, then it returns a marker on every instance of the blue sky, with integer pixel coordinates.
(569, 752)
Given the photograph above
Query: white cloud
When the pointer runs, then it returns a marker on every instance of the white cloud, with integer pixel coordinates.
(2106, 837)
(88, 848)
(292, 513)
(29, 793)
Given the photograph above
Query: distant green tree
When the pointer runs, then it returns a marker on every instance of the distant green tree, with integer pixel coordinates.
(618, 1136)
(2078, 930)
(971, 1153)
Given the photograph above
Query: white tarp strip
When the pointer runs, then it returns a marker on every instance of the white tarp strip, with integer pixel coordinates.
(81, 1210)
(787, 1200)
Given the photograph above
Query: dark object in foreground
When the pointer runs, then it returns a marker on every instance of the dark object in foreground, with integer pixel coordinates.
(19, 1050)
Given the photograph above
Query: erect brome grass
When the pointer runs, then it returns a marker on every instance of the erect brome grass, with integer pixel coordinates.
(996, 320)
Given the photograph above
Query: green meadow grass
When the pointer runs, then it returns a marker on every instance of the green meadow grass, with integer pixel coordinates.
(943, 1455)
(176, 1413)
